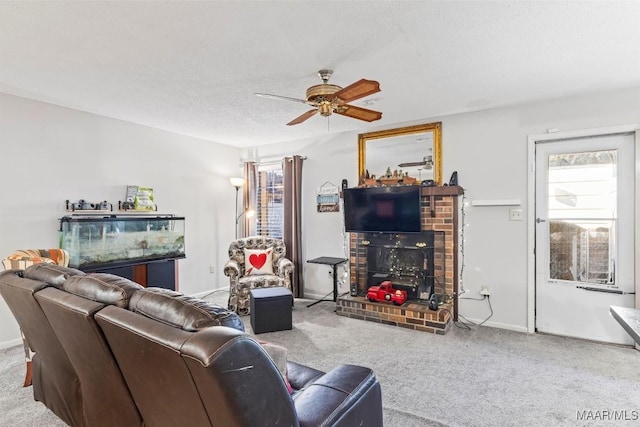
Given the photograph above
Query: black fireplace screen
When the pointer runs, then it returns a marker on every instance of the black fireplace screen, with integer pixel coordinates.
(413, 262)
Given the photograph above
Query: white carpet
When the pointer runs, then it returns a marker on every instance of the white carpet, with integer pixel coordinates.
(478, 377)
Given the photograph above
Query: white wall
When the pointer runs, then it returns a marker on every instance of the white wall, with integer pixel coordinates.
(50, 154)
(489, 151)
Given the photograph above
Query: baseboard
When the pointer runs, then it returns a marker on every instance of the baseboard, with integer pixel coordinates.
(314, 296)
(498, 325)
(308, 295)
(10, 343)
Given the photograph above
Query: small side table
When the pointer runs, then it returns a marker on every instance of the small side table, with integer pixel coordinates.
(333, 262)
(629, 319)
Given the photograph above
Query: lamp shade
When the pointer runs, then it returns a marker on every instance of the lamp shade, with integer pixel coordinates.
(236, 182)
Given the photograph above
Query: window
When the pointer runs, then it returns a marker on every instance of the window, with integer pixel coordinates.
(269, 207)
(583, 216)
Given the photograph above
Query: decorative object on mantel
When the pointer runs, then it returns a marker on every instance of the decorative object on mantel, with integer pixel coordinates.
(328, 198)
(397, 177)
(454, 178)
(84, 206)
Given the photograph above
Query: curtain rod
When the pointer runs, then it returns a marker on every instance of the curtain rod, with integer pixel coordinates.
(268, 162)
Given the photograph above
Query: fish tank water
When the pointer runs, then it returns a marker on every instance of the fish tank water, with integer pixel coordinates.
(118, 240)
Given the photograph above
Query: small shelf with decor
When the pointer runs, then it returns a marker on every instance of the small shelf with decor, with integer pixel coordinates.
(83, 206)
(143, 248)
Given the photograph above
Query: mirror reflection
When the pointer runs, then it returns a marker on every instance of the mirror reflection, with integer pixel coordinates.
(407, 155)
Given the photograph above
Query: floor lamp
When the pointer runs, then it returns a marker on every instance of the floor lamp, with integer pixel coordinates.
(238, 183)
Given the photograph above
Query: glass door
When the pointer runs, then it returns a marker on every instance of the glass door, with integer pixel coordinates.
(584, 235)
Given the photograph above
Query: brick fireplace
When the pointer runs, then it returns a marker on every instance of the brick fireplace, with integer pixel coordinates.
(421, 263)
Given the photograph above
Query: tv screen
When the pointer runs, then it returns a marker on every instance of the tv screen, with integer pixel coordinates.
(382, 209)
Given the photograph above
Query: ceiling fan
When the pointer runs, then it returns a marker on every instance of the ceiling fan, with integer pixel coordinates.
(328, 99)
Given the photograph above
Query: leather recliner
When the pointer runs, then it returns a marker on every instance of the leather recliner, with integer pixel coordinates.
(70, 311)
(55, 381)
(229, 379)
(183, 361)
(21, 259)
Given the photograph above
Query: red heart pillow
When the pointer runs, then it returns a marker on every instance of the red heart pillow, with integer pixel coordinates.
(258, 261)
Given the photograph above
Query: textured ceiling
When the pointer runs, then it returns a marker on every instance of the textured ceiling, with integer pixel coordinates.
(193, 67)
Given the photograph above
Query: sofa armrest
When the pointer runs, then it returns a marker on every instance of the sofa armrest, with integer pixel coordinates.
(232, 268)
(348, 395)
(300, 376)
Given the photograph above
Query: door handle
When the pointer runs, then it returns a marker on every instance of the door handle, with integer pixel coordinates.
(539, 220)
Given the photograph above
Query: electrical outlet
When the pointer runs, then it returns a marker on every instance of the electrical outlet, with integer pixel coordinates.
(211, 269)
(485, 290)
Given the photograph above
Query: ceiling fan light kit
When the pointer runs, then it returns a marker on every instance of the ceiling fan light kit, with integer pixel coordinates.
(329, 98)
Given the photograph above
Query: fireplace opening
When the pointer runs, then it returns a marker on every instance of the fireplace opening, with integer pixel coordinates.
(414, 262)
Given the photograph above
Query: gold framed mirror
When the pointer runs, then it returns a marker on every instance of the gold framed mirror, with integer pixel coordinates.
(411, 152)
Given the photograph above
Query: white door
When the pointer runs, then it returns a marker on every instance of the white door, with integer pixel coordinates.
(584, 250)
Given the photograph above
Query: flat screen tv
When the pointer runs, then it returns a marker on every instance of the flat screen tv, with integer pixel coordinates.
(382, 209)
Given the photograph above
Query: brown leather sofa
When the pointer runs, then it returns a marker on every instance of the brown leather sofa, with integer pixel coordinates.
(109, 352)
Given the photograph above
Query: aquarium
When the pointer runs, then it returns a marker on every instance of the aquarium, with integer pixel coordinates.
(115, 240)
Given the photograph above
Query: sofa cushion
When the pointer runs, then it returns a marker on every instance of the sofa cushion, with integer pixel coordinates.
(52, 274)
(300, 376)
(103, 287)
(181, 311)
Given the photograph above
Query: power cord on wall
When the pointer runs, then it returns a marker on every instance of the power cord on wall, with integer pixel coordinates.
(466, 322)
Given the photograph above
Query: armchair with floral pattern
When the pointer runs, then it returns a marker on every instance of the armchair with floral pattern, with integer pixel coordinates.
(255, 262)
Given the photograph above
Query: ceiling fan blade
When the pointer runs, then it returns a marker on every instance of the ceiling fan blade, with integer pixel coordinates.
(303, 117)
(357, 90)
(283, 98)
(358, 113)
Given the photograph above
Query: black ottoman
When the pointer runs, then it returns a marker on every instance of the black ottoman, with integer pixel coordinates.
(270, 309)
